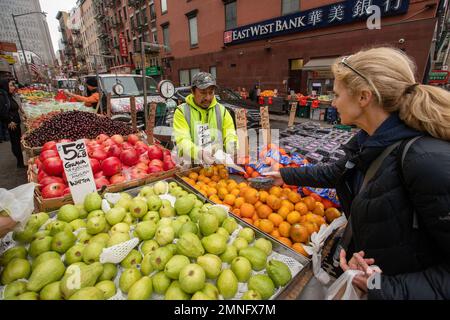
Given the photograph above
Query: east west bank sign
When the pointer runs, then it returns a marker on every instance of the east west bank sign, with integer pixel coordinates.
(326, 16)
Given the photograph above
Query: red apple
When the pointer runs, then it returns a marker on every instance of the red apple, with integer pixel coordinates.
(100, 182)
(99, 175)
(167, 153)
(142, 166)
(53, 190)
(48, 154)
(155, 152)
(132, 138)
(41, 175)
(95, 165)
(49, 180)
(66, 191)
(129, 157)
(117, 138)
(154, 169)
(144, 158)
(141, 149)
(157, 163)
(126, 146)
(111, 166)
(53, 166)
(51, 145)
(118, 178)
(114, 151)
(99, 154)
(168, 164)
(108, 143)
(101, 137)
(137, 173)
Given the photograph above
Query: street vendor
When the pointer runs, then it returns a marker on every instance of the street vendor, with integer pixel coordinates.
(93, 96)
(394, 182)
(201, 125)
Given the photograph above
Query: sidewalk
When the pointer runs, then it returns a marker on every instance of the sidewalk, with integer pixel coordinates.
(10, 176)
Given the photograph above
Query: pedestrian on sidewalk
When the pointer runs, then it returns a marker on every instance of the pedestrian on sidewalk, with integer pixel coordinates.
(10, 117)
(393, 183)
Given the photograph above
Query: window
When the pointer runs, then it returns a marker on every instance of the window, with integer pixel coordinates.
(125, 13)
(230, 15)
(193, 31)
(213, 71)
(128, 35)
(289, 6)
(163, 6)
(132, 21)
(155, 37)
(193, 72)
(166, 38)
(184, 78)
(152, 11)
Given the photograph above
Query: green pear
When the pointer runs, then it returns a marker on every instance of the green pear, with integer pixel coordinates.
(240, 243)
(146, 266)
(153, 203)
(152, 216)
(107, 287)
(223, 232)
(68, 213)
(44, 257)
(44, 273)
(251, 295)
(92, 202)
(219, 212)
(16, 269)
(174, 266)
(265, 245)
(141, 289)
(263, 285)
(188, 227)
(147, 191)
(160, 257)
(83, 237)
(161, 282)
(14, 289)
(40, 246)
(96, 225)
(164, 235)
(74, 254)
(124, 195)
(178, 223)
(279, 272)
(242, 268)
(145, 230)
(109, 272)
(36, 220)
(15, 252)
(121, 227)
(172, 185)
(256, 256)
(58, 226)
(88, 293)
(78, 224)
(82, 213)
(96, 213)
(132, 259)
(41, 234)
(28, 296)
(123, 203)
(128, 278)
(172, 247)
(116, 238)
(138, 208)
(190, 245)
(174, 292)
(195, 214)
(129, 219)
(149, 246)
(80, 276)
(208, 224)
(92, 252)
(211, 264)
(166, 210)
(184, 205)
(161, 187)
(199, 295)
(230, 224)
(248, 234)
(229, 254)
(62, 241)
(198, 203)
(227, 284)
(215, 243)
(51, 291)
(164, 222)
(115, 215)
(101, 238)
(192, 278)
(211, 291)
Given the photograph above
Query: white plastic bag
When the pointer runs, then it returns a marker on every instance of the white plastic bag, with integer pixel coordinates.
(18, 202)
(343, 289)
(316, 245)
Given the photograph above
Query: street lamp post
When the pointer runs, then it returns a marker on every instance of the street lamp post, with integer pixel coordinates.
(20, 40)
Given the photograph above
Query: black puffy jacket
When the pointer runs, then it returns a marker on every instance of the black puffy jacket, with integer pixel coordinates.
(415, 261)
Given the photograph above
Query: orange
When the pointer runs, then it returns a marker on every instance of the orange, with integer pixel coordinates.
(209, 172)
(310, 202)
(274, 202)
(201, 183)
(221, 184)
(243, 190)
(256, 223)
(249, 221)
(284, 211)
(266, 225)
(214, 198)
(276, 191)
(263, 211)
(299, 233)
(251, 195)
(293, 217)
(311, 227)
(193, 176)
(287, 203)
(294, 197)
(319, 209)
(204, 193)
(222, 192)
(301, 208)
(247, 210)
(231, 186)
(258, 204)
(314, 218)
(255, 217)
(212, 184)
(237, 212)
(235, 192)
(223, 173)
(276, 219)
(211, 191)
(263, 196)
(229, 199)
(299, 248)
(238, 202)
(284, 228)
(242, 185)
(331, 214)
(285, 240)
(286, 191)
(206, 180)
(215, 178)
(275, 233)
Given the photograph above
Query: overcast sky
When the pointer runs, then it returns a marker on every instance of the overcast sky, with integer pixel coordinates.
(52, 7)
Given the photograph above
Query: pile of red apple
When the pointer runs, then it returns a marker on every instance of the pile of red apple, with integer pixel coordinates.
(113, 160)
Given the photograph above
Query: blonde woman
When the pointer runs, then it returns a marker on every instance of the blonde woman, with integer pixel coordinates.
(394, 183)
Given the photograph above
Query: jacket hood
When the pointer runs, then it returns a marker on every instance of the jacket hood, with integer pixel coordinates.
(190, 100)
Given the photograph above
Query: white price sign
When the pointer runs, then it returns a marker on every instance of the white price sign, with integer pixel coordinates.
(204, 134)
(77, 168)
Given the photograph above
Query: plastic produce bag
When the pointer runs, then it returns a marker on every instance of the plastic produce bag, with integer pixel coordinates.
(343, 289)
(18, 203)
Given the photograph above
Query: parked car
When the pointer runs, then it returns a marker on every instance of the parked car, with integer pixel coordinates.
(232, 101)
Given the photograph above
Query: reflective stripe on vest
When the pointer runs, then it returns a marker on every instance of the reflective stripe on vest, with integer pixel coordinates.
(219, 120)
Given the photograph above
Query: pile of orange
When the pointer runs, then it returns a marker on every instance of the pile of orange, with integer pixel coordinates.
(280, 211)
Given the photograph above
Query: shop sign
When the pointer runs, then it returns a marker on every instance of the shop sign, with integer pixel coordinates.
(123, 45)
(438, 77)
(8, 47)
(8, 58)
(321, 17)
(77, 168)
(152, 71)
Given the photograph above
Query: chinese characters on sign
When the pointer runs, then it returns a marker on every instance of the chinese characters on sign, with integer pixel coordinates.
(77, 168)
(123, 45)
(334, 14)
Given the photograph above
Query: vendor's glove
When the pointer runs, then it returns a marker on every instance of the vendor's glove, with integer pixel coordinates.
(206, 157)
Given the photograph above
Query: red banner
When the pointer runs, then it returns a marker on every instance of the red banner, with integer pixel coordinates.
(123, 45)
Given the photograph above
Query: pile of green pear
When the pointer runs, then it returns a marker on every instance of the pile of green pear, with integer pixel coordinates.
(185, 252)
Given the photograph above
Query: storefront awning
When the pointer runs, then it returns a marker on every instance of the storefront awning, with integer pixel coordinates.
(319, 64)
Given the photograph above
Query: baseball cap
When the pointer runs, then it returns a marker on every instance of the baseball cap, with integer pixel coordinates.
(203, 80)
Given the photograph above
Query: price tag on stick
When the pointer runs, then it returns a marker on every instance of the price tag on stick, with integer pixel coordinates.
(108, 105)
(77, 168)
(292, 114)
(133, 113)
(151, 123)
(241, 127)
(265, 124)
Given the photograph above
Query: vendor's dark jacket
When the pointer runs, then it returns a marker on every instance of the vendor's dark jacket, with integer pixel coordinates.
(415, 259)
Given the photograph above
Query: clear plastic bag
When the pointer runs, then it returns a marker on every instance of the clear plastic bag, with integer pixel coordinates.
(343, 289)
(18, 202)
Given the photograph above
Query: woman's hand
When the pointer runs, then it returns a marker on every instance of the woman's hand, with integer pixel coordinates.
(12, 125)
(6, 225)
(276, 176)
(357, 262)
